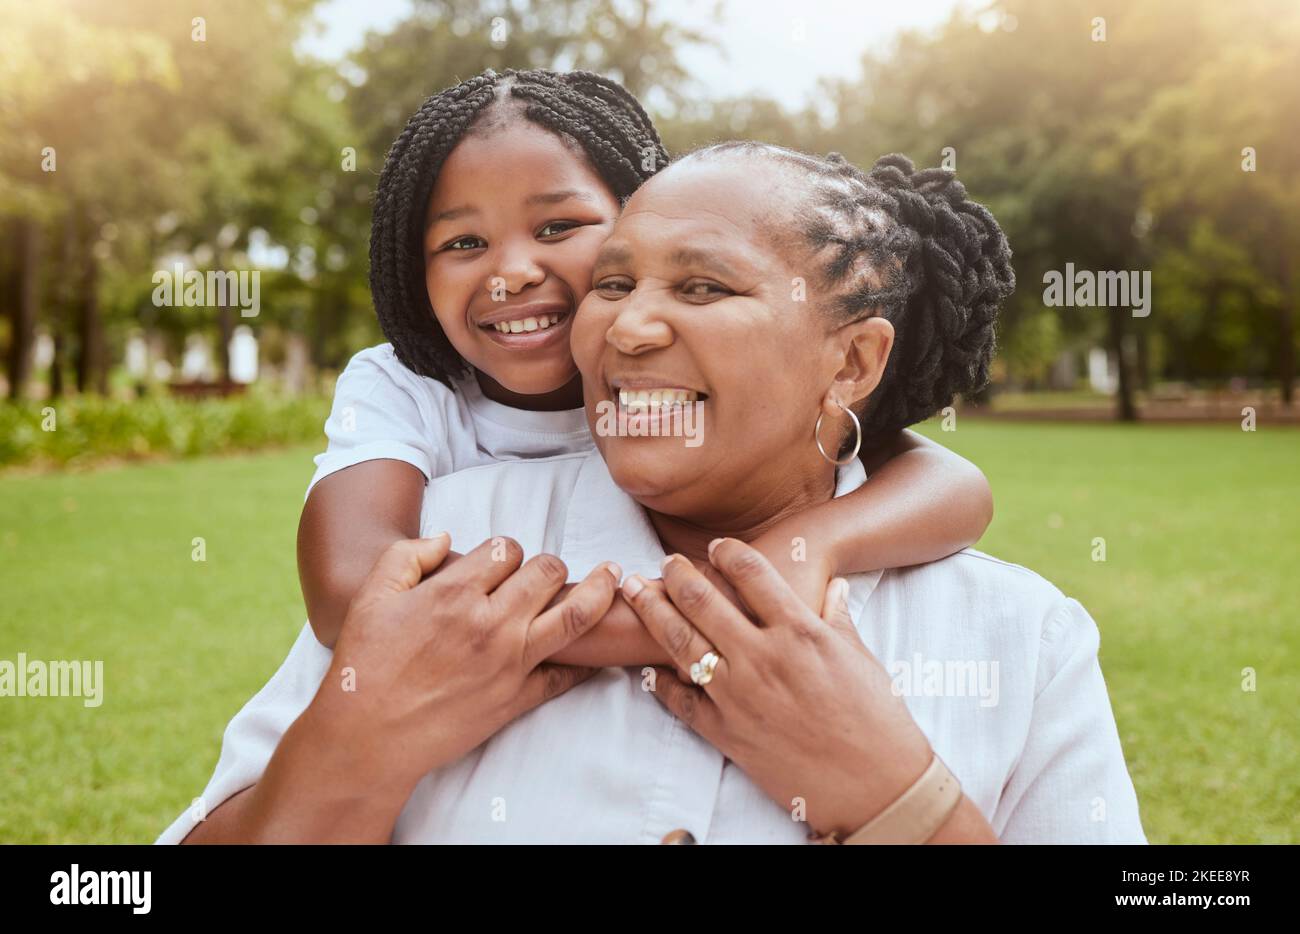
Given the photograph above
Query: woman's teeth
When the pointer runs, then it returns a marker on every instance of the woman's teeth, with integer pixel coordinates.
(646, 399)
(520, 325)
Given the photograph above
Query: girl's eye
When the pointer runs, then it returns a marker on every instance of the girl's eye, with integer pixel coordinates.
(554, 228)
(465, 243)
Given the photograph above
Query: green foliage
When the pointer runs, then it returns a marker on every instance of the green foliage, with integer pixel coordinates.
(1123, 154)
(1120, 154)
(1030, 349)
(92, 428)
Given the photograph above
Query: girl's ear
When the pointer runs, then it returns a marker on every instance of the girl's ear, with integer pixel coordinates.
(865, 345)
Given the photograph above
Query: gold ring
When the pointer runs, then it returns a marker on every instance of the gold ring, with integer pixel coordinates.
(702, 671)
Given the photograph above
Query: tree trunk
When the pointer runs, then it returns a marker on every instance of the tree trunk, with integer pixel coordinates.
(324, 324)
(1286, 321)
(10, 286)
(91, 372)
(1286, 350)
(24, 310)
(1143, 361)
(64, 310)
(226, 327)
(1126, 410)
(1286, 333)
(58, 361)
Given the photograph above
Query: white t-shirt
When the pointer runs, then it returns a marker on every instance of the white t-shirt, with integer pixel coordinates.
(1001, 675)
(382, 410)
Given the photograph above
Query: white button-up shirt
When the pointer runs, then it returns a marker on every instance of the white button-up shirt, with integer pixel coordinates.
(998, 668)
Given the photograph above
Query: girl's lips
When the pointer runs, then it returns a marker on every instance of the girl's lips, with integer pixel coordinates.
(531, 340)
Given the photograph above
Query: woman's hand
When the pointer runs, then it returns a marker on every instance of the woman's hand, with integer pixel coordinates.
(797, 701)
(426, 670)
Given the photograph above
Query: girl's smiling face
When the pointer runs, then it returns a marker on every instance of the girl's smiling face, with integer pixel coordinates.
(513, 225)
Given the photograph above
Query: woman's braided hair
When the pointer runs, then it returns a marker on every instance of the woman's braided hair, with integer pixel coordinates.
(593, 112)
(910, 247)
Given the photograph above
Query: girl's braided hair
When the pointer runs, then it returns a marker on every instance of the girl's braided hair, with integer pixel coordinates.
(906, 245)
(593, 112)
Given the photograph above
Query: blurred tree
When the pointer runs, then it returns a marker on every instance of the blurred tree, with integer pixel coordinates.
(1223, 145)
(1059, 117)
(446, 41)
(53, 66)
(1110, 135)
(149, 159)
(705, 121)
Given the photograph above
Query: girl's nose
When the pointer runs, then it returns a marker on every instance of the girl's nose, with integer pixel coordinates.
(516, 269)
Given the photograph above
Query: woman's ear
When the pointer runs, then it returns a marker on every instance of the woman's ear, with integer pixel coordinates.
(865, 345)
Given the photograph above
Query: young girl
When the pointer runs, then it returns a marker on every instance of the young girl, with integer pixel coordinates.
(490, 209)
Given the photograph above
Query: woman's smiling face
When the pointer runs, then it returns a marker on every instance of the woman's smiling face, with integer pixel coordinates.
(513, 225)
(693, 292)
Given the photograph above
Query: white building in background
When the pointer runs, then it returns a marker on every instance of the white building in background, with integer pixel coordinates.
(243, 355)
(137, 356)
(42, 350)
(1102, 377)
(196, 362)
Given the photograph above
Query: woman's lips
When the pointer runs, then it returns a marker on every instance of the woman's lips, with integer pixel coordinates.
(649, 411)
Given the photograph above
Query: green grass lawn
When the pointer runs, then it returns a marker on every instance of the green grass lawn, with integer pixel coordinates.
(1200, 528)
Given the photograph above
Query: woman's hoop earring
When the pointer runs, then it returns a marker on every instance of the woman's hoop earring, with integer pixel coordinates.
(857, 445)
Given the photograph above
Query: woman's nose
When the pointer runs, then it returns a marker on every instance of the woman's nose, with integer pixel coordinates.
(638, 329)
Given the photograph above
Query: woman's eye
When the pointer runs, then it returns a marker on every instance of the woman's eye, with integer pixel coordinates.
(614, 288)
(465, 243)
(555, 228)
(704, 290)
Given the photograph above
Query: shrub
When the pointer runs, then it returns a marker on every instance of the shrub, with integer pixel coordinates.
(92, 428)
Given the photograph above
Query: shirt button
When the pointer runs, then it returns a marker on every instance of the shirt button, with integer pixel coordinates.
(678, 838)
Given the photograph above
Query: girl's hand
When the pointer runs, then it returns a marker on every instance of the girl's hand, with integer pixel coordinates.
(797, 701)
(426, 670)
(802, 564)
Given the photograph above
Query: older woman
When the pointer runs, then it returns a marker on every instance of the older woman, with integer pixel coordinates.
(804, 308)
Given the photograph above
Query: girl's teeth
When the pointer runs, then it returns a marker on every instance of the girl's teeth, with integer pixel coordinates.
(527, 324)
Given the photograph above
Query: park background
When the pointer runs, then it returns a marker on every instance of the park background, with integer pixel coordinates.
(1147, 135)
